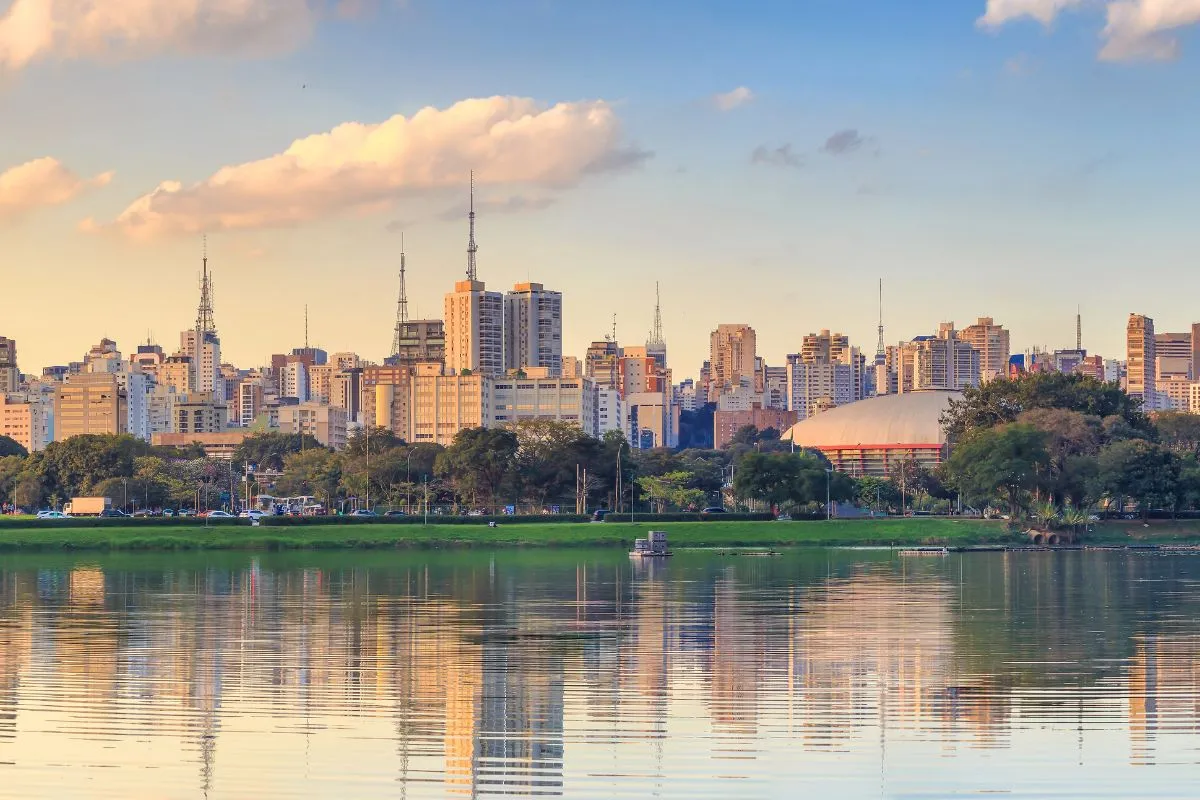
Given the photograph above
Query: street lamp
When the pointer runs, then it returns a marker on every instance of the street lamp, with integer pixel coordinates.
(828, 477)
(426, 481)
(620, 502)
(408, 483)
(125, 486)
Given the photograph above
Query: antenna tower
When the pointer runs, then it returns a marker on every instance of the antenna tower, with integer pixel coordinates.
(880, 348)
(401, 305)
(204, 314)
(471, 248)
(656, 334)
(1078, 329)
(614, 332)
(306, 326)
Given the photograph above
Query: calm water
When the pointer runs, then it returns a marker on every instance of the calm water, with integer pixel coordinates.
(837, 674)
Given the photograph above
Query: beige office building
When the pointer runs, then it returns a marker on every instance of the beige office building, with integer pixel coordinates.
(176, 372)
(90, 403)
(992, 342)
(732, 356)
(23, 423)
(474, 329)
(320, 379)
(199, 413)
(441, 405)
(385, 396)
(539, 395)
(942, 361)
(533, 328)
(652, 420)
(1140, 376)
(326, 424)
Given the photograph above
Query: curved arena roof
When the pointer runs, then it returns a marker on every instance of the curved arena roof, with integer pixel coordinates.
(893, 419)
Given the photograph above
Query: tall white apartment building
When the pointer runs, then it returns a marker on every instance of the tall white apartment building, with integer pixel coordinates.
(533, 328)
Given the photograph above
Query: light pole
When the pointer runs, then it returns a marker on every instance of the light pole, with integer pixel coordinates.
(828, 477)
(125, 486)
(367, 433)
(620, 502)
(408, 483)
(426, 481)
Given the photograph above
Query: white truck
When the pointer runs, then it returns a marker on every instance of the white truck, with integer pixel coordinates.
(87, 506)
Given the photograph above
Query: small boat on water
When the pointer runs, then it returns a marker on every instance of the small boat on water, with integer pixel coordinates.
(654, 546)
(931, 552)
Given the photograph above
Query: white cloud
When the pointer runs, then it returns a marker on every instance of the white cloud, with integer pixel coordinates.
(728, 101)
(40, 183)
(999, 12)
(75, 29)
(1135, 29)
(1138, 29)
(357, 167)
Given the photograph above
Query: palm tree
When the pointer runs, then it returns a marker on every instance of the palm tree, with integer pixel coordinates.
(1046, 514)
(1075, 517)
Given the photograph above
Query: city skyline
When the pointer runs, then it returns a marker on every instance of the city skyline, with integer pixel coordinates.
(1002, 174)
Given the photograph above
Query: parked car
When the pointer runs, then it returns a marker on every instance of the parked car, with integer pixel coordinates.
(395, 513)
(219, 515)
(52, 515)
(363, 512)
(599, 514)
(252, 513)
(112, 512)
(713, 510)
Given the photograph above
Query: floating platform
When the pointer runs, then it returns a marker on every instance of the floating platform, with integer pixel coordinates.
(931, 552)
(654, 546)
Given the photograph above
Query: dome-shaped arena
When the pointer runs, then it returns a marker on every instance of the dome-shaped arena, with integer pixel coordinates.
(871, 436)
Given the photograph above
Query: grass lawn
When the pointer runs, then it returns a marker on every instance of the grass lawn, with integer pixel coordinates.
(682, 534)
(894, 531)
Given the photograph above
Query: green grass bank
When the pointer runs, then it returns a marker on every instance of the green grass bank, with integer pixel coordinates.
(886, 532)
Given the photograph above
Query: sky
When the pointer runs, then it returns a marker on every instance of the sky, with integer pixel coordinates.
(766, 161)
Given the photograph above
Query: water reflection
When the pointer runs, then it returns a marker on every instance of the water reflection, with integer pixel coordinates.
(852, 674)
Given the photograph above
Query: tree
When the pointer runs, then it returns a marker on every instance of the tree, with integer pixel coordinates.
(11, 447)
(313, 472)
(1002, 461)
(479, 462)
(549, 453)
(798, 478)
(1179, 432)
(268, 450)
(1139, 470)
(28, 493)
(672, 489)
(1000, 402)
(1072, 441)
(74, 466)
(877, 493)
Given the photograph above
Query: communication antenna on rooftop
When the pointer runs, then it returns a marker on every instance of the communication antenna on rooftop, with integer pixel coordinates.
(401, 304)
(880, 348)
(306, 326)
(472, 249)
(1078, 328)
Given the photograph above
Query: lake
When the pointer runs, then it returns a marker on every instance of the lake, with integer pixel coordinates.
(819, 673)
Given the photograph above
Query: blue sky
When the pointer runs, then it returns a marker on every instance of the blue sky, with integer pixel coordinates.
(1016, 169)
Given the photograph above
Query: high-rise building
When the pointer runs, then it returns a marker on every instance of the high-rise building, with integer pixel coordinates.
(91, 402)
(474, 329)
(610, 412)
(572, 367)
(249, 400)
(385, 396)
(1140, 353)
(10, 376)
(23, 423)
(441, 405)
(992, 342)
(602, 364)
(326, 424)
(419, 340)
(474, 318)
(732, 355)
(942, 361)
(817, 387)
(533, 328)
(542, 396)
(652, 420)
(293, 381)
(656, 345)
(199, 413)
(103, 357)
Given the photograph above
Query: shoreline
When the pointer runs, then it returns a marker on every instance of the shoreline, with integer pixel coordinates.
(956, 534)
